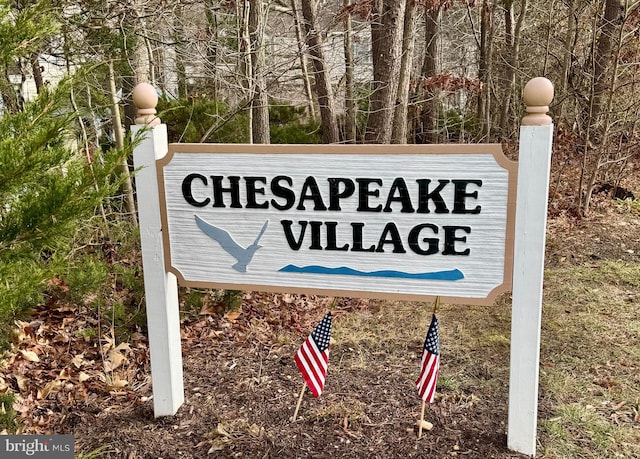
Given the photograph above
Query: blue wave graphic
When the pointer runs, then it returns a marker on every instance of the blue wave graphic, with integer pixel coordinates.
(451, 275)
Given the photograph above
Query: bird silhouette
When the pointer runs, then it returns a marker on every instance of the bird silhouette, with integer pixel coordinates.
(243, 255)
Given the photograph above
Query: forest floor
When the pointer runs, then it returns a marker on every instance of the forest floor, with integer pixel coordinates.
(242, 385)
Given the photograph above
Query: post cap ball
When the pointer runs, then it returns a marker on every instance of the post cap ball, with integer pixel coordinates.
(538, 92)
(145, 96)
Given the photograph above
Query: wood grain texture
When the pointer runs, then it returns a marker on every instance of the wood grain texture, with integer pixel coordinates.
(199, 260)
(528, 273)
(161, 289)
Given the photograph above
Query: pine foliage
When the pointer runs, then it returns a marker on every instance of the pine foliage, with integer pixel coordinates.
(47, 188)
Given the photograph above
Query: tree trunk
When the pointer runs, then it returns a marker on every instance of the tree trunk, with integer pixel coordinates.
(485, 68)
(386, 47)
(244, 49)
(212, 50)
(400, 125)
(326, 102)
(137, 57)
(10, 100)
(180, 54)
(351, 107)
(37, 71)
(304, 67)
(602, 60)
(603, 56)
(568, 58)
(127, 187)
(260, 99)
(512, 60)
(429, 131)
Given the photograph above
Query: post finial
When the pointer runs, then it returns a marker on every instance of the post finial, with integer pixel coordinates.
(537, 94)
(145, 99)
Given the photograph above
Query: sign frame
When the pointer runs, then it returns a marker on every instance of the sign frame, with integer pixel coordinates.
(495, 150)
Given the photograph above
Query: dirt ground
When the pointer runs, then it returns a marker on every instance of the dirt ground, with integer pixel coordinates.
(242, 385)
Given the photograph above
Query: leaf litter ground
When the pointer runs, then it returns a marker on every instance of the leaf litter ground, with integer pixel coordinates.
(241, 384)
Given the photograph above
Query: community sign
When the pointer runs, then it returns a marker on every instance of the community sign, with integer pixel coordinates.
(382, 221)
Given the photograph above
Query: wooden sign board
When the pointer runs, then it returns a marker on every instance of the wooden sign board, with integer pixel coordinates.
(378, 221)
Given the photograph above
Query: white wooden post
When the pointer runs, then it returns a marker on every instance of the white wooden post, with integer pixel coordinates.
(536, 135)
(161, 287)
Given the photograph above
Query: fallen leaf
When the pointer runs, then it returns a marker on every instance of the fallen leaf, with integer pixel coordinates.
(30, 356)
(22, 382)
(231, 316)
(78, 360)
(118, 383)
(115, 357)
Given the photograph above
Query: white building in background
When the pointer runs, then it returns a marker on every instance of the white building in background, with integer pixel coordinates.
(53, 71)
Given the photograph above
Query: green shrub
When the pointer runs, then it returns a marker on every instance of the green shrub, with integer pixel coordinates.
(47, 189)
(7, 412)
(189, 120)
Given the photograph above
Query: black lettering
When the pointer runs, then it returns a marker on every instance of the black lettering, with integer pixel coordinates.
(335, 194)
(399, 186)
(424, 196)
(280, 191)
(390, 235)
(357, 239)
(252, 190)
(460, 195)
(218, 189)
(311, 191)
(364, 192)
(315, 236)
(414, 240)
(450, 240)
(286, 226)
(331, 237)
(188, 194)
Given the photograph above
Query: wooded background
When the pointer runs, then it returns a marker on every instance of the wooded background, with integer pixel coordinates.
(290, 71)
(386, 71)
(72, 304)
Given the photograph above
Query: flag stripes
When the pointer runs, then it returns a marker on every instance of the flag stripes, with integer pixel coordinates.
(312, 358)
(430, 364)
(426, 383)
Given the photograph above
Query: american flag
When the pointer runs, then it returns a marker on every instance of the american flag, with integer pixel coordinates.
(430, 364)
(313, 356)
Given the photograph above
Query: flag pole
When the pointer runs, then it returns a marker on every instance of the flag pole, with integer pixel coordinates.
(436, 305)
(421, 423)
(295, 413)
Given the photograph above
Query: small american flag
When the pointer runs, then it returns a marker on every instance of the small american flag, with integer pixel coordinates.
(430, 364)
(313, 356)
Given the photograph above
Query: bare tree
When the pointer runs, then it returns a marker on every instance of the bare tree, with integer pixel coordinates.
(304, 67)
(400, 125)
(512, 59)
(597, 129)
(351, 107)
(429, 133)
(386, 47)
(485, 65)
(260, 99)
(324, 90)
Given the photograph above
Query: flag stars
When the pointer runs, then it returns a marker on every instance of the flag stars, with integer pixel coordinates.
(432, 343)
(322, 333)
